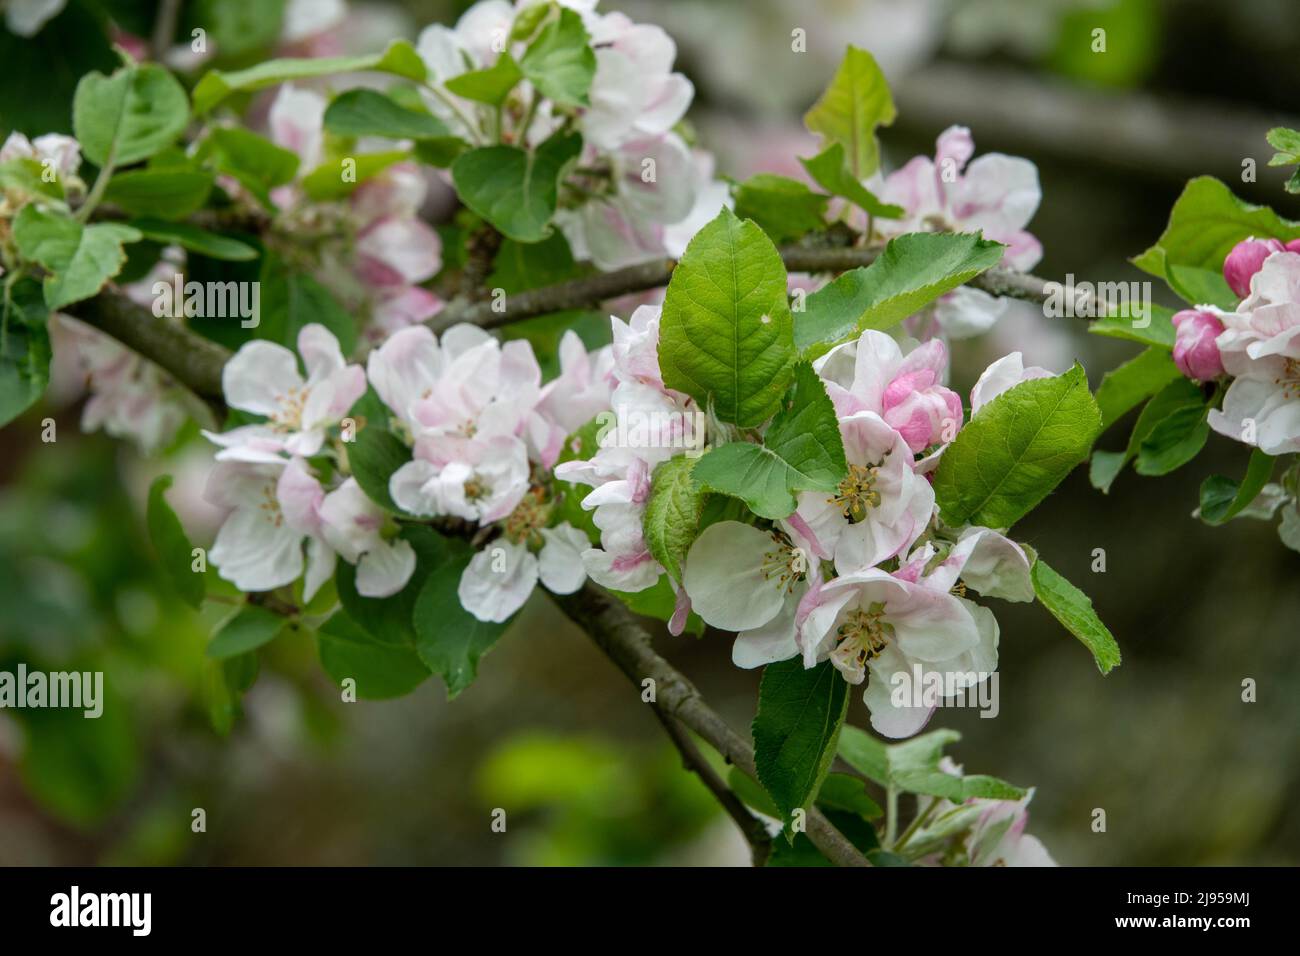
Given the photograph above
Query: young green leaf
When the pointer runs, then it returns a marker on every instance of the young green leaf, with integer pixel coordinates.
(80, 258)
(1018, 448)
(389, 620)
(491, 85)
(1158, 332)
(725, 335)
(373, 457)
(172, 544)
(381, 671)
(800, 712)
(1206, 222)
(672, 513)
(802, 451)
(1174, 441)
(327, 181)
(853, 106)
(1222, 499)
(160, 193)
(514, 189)
(785, 208)
(829, 170)
(887, 763)
(1073, 609)
(560, 62)
(24, 349)
(254, 160)
(913, 271)
(290, 300)
(449, 639)
(129, 116)
(399, 59)
(1131, 383)
(246, 631)
(194, 239)
(1178, 395)
(358, 113)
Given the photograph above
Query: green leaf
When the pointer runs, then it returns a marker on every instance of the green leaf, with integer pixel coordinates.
(829, 170)
(785, 208)
(672, 513)
(1206, 222)
(24, 349)
(1197, 286)
(1018, 448)
(80, 258)
(491, 85)
(514, 189)
(246, 631)
(370, 113)
(327, 181)
(887, 764)
(1158, 332)
(254, 160)
(913, 271)
(399, 59)
(240, 27)
(291, 300)
(348, 651)
(842, 791)
(800, 712)
(936, 783)
(1222, 499)
(1073, 609)
(389, 620)
(1178, 395)
(519, 266)
(449, 639)
(1287, 143)
(194, 239)
(172, 544)
(161, 193)
(373, 457)
(560, 62)
(857, 101)
(1174, 441)
(129, 116)
(1136, 380)
(802, 451)
(725, 335)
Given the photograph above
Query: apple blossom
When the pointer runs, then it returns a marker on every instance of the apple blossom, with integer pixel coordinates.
(1195, 351)
(872, 374)
(263, 378)
(353, 526)
(1245, 260)
(498, 580)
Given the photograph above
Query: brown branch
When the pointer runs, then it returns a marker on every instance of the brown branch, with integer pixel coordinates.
(760, 842)
(592, 290)
(618, 633)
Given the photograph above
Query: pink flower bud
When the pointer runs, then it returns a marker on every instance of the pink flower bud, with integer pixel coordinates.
(1245, 260)
(1293, 245)
(1195, 352)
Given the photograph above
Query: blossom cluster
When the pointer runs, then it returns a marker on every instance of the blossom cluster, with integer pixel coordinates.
(1254, 349)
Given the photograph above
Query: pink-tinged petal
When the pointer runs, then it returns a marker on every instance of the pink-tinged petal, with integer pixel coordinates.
(999, 194)
(320, 567)
(385, 568)
(681, 610)
(350, 521)
(402, 308)
(259, 376)
(888, 696)
(300, 496)
(1196, 352)
(255, 552)
(407, 247)
(320, 352)
(405, 368)
(560, 561)
(497, 581)
(1245, 260)
(632, 571)
(330, 399)
(955, 144)
(1003, 374)
(296, 121)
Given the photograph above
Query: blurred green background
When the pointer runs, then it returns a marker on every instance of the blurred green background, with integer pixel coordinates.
(1186, 772)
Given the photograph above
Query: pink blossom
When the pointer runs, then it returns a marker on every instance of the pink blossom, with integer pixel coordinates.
(1196, 352)
(1246, 259)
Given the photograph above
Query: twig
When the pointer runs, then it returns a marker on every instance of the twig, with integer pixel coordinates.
(760, 841)
(618, 633)
(164, 28)
(592, 290)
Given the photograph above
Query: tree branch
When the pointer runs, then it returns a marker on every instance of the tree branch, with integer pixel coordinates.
(760, 842)
(618, 633)
(592, 290)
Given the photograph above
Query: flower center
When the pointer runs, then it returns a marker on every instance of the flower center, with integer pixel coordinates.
(288, 417)
(786, 563)
(1290, 378)
(865, 633)
(270, 505)
(857, 493)
(529, 515)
